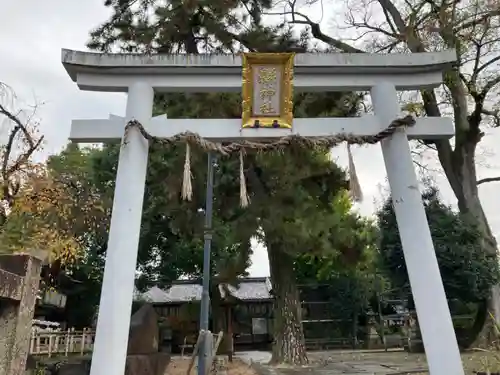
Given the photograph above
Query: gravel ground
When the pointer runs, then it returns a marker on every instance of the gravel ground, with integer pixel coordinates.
(376, 363)
(179, 366)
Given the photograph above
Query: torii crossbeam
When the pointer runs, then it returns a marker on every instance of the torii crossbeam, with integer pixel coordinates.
(140, 76)
(111, 130)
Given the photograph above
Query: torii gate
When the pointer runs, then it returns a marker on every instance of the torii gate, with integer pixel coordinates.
(141, 75)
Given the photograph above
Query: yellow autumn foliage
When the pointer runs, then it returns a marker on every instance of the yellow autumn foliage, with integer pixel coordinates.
(40, 212)
(48, 215)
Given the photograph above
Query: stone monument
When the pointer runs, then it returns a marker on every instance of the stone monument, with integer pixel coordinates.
(19, 283)
(143, 356)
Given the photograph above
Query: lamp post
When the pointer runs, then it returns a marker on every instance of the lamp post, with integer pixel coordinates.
(205, 296)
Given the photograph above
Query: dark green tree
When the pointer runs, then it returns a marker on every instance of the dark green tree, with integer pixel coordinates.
(291, 206)
(195, 26)
(346, 278)
(294, 208)
(468, 272)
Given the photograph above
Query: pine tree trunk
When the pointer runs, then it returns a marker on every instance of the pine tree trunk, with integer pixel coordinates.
(218, 310)
(229, 336)
(289, 344)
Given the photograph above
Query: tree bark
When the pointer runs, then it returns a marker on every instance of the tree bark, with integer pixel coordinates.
(459, 166)
(289, 344)
(468, 337)
(229, 336)
(469, 203)
(460, 169)
(217, 310)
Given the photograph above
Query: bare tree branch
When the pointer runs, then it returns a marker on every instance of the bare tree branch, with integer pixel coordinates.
(486, 65)
(489, 179)
(477, 21)
(489, 85)
(494, 114)
(11, 164)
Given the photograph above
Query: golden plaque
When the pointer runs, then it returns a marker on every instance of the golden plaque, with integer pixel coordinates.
(267, 90)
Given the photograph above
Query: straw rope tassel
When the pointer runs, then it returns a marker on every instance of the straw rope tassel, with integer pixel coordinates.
(244, 199)
(354, 186)
(187, 188)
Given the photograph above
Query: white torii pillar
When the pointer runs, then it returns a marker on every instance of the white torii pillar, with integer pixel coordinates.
(436, 326)
(382, 74)
(110, 346)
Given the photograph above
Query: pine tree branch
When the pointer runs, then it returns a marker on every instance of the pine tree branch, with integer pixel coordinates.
(389, 8)
(317, 32)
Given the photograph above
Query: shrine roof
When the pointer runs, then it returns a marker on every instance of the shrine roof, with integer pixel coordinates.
(249, 289)
(76, 62)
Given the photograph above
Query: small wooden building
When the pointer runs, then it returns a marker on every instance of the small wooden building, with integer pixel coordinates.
(245, 313)
(50, 305)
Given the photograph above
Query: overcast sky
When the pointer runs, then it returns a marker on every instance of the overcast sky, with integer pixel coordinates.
(32, 33)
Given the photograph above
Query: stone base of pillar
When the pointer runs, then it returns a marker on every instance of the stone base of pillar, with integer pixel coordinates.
(143, 357)
(219, 367)
(147, 364)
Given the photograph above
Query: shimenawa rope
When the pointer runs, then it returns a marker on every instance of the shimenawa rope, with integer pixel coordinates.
(244, 199)
(226, 148)
(187, 189)
(354, 186)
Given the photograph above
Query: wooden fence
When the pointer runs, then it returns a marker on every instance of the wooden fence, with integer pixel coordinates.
(51, 343)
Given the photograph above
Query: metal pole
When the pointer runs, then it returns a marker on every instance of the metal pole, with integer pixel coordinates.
(205, 296)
